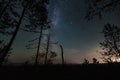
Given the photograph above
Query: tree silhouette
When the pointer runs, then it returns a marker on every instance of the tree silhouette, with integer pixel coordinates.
(41, 21)
(6, 21)
(62, 51)
(99, 7)
(111, 44)
(47, 48)
(45, 44)
(62, 54)
(41, 46)
(85, 61)
(3, 6)
(30, 9)
(51, 57)
(41, 57)
(95, 61)
(2, 48)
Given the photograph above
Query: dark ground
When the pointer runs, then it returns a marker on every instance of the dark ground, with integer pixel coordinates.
(59, 72)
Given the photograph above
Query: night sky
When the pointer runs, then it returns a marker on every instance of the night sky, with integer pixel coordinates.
(79, 38)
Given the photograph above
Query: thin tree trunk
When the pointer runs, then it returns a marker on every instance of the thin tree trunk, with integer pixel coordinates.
(4, 9)
(47, 49)
(5, 52)
(39, 43)
(116, 47)
(62, 56)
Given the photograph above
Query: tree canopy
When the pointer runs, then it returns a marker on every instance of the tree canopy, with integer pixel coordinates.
(111, 43)
(99, 7)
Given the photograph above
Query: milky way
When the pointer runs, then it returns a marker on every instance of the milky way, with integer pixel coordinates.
(55, 17)
(75, 33)
(78, 37)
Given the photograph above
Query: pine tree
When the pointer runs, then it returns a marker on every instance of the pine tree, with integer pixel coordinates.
(33, 10)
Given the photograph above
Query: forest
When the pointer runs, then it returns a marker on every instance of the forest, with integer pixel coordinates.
(34, 17)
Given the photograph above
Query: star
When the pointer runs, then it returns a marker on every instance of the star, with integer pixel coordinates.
(71, 22)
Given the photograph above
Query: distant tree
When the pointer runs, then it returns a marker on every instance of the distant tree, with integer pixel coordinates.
(41, 57)
(95, 61)
(111, 44)
(62, 54)
(26, 62)
(52, 55)
(85, 61)
(99, 7)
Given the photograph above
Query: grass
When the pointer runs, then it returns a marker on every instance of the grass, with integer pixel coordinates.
(55, 72)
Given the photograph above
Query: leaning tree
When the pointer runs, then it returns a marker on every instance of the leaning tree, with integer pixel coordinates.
(7, 25)
(24, 11)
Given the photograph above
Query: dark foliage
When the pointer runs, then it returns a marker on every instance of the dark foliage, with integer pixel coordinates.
(38, 21)
(7, 22)
(99, 7)
(2, 48)
(41, 57)
(111, 44)
(95, 61)
(85, 61)
(34, 10)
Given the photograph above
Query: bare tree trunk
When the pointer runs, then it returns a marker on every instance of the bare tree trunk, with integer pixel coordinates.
(4, 9)
(47, 49)
(62, 56)
(39, 43)
(5, 52)
(115, 46)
